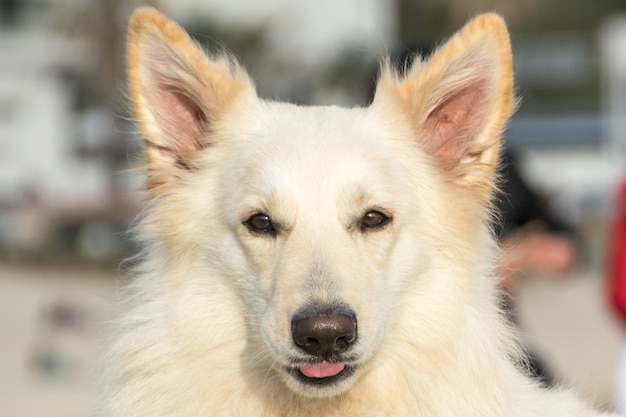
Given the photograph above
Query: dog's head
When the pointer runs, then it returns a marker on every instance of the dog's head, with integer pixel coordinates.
(332, 224)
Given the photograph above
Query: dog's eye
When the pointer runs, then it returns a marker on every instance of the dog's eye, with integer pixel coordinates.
(374, 220)
(260, 223)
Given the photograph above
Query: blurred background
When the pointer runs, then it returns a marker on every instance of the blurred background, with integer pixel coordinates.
(68, 150)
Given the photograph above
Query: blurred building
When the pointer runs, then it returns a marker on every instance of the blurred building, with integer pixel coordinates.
(59, 140)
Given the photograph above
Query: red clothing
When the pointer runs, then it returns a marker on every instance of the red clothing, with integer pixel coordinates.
(617, 257)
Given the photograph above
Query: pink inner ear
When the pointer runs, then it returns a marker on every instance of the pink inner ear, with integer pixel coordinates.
(454, 123)
(180, 117)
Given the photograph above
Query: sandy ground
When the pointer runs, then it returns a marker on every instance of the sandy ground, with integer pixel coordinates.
(568, 324)
(49, 321)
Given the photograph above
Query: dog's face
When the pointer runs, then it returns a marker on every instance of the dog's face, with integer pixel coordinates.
(321, 218)
(317, 205)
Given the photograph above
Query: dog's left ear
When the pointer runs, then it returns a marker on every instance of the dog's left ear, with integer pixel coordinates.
(459, 100)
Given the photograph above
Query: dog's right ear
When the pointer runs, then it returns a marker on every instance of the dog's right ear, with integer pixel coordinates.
(177, 91)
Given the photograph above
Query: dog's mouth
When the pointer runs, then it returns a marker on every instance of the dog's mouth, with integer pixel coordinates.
(321, 370)
(321, 374)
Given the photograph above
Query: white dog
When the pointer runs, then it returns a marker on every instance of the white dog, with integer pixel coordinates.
(319, 261)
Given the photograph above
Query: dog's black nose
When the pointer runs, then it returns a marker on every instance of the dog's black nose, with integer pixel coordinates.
(324, 334)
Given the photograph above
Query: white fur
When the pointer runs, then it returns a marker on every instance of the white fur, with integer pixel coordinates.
(206, 325)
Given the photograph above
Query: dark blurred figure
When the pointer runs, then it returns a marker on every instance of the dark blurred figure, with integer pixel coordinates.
(533, 241)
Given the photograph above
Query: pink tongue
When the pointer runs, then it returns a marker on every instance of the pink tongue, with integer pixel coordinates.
(321, 370)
